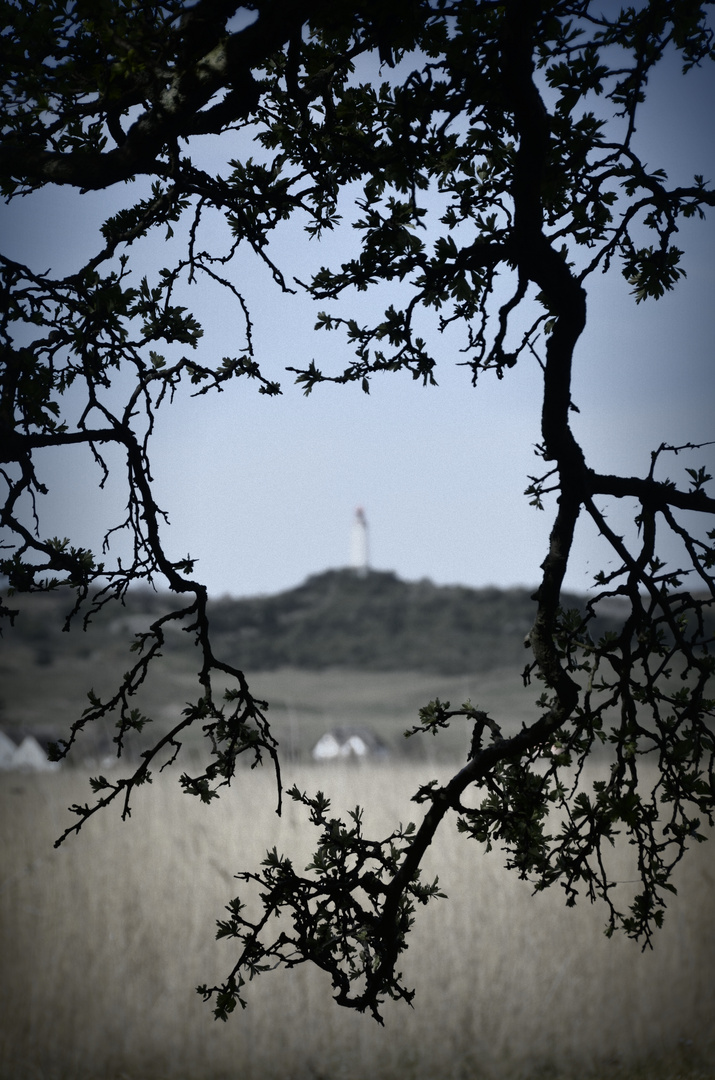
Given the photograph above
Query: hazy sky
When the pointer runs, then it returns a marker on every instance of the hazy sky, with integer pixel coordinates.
(263, 490)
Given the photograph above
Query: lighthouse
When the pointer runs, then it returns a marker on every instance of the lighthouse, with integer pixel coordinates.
(359, 557)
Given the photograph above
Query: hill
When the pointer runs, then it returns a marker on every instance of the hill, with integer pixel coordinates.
(375, 622)
(380, 623)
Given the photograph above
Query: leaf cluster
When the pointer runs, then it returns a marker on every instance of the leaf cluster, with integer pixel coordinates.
(339, 911)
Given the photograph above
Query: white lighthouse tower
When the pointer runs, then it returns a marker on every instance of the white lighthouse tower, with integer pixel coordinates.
(359, 550)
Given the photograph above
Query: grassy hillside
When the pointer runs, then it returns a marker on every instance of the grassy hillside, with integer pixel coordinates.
(339, 649)
(375, 623)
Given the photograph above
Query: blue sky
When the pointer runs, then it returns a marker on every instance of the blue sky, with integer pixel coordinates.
(262, 491)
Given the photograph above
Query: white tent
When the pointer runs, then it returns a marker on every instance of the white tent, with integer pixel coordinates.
(352, 743)
(30, 757)
(26, 754)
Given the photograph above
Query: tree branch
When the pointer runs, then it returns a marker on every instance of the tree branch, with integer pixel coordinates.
(177, 111)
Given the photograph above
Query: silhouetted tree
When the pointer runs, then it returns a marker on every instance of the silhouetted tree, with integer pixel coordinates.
(384, 105)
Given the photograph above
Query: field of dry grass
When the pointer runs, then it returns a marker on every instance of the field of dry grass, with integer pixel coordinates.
(103, 941)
